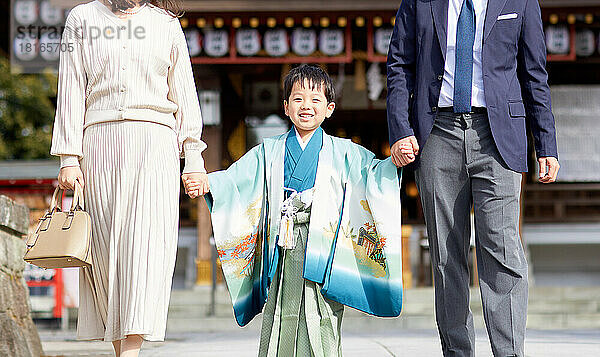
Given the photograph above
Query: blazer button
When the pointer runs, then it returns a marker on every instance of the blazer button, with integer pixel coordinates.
(440, 77)
(434, 109)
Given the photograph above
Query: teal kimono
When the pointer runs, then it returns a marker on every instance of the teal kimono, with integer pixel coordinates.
(348, 241)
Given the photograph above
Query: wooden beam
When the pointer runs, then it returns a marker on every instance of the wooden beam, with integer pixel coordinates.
(311, 5)
(270, 5)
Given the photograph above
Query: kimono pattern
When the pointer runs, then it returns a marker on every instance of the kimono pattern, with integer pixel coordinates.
(353, 250)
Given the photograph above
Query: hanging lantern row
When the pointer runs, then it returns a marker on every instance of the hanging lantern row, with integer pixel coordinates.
(276, 42)
(558, 41)
(29, 12)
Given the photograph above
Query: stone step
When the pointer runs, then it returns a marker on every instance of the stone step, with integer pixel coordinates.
(421, 301)
(549, 308)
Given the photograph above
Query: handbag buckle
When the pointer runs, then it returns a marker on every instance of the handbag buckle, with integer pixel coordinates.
(45, 222)
(68, 220)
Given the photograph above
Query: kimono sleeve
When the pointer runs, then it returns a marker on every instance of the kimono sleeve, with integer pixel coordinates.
(237, 203)
(366, 263)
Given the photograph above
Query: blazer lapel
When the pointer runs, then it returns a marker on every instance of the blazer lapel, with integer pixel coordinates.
(439, 10)
(494, 8)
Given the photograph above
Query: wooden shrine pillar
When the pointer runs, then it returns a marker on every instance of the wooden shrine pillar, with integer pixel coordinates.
(212, 136)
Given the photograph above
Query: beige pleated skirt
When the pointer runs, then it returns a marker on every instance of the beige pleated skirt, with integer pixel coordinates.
(131, 173)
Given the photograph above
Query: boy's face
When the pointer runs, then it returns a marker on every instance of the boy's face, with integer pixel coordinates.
(307, 108)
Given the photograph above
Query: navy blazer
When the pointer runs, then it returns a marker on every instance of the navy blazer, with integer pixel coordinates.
(514, 75)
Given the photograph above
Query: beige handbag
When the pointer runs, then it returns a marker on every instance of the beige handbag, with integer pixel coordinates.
(62, 239)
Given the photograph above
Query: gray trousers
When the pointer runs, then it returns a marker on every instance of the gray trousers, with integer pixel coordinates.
(460, 167)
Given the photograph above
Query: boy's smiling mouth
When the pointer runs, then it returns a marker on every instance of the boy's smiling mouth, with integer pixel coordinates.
(305, 115)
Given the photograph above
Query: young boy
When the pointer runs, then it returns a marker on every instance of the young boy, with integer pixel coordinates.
(281, 212)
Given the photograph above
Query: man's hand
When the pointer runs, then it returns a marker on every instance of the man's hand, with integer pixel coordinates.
(404, 151)
(548, 169)
(195, 184)
(67, 177)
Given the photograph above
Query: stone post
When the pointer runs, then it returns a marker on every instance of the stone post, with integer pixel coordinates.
(18, 334)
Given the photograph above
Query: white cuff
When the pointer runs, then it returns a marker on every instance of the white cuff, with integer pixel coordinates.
(69, 160)
(193, 162)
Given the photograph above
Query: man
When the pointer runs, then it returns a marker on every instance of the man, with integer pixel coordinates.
(463, 78)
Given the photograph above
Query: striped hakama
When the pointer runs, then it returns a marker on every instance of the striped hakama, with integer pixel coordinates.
(297, 319)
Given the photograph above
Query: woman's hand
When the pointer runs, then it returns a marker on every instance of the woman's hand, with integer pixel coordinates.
(67, 177)
(195, 184)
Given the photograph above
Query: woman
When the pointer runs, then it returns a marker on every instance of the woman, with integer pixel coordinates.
(127, 111)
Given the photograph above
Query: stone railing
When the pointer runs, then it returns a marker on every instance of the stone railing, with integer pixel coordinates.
(18, 334)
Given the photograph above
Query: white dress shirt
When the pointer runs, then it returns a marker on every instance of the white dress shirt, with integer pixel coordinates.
(447, 91)
(303, 143)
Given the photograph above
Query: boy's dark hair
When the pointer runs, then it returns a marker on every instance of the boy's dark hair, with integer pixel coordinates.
(317, 78)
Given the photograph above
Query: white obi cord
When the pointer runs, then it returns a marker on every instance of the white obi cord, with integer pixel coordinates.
(287, 240)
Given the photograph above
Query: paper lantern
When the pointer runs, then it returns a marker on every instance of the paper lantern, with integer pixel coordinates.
(49, 14)
(247, 42)
(50, 47)
(557, 39)
(584, 43)
(194, 41)
(25, 11)
(304, 41)
(375, 81)
(331, 41)
(382, 40)
(25, 48)
(216, 43)
(276, 42)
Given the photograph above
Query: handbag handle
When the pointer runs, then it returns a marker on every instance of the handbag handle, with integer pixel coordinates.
(56, 203)
(77, 197)
(78, 201)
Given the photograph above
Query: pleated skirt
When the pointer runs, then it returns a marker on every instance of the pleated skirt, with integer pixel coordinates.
(131, 173)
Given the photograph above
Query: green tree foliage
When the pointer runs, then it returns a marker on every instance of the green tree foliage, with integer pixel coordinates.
(26, 113)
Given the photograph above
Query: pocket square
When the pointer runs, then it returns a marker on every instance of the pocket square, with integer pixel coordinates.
(507, 16)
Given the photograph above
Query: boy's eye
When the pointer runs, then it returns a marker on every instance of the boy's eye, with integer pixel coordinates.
(297, 100)
(316, 100)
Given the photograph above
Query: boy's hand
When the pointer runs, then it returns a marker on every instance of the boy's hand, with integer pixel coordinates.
(195, 184)
(404, 151)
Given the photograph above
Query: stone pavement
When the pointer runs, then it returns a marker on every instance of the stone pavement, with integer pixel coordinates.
(562, 322)
(244, 342)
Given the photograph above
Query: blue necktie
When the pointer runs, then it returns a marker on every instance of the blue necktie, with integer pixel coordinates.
(463, 73)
